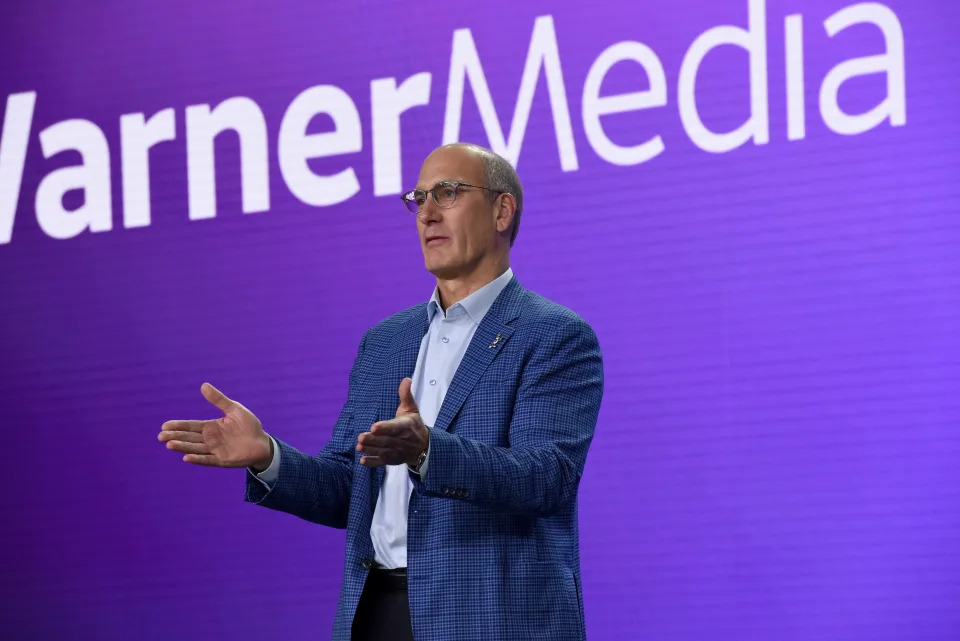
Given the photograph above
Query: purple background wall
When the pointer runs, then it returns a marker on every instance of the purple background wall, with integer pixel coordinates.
(776, 456)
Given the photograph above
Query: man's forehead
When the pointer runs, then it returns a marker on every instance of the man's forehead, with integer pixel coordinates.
(450, 163)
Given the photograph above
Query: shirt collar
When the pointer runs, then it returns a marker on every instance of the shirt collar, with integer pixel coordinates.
(477, 304)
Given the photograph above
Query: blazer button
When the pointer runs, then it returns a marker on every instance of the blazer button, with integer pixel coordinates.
(366, 563)
(466, 493)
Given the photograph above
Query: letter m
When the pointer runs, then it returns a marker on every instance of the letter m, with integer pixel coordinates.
(465, 63)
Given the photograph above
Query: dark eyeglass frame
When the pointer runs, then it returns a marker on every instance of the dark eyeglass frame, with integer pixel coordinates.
(411, 198)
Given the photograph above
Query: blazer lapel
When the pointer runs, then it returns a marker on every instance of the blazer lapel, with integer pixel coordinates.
(400, 364)
(488, 341)
(402, 360)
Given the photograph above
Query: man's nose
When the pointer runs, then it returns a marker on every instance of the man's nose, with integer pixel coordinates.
(429, 211)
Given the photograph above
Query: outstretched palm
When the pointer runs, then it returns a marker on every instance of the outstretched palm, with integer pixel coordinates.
(236, 439)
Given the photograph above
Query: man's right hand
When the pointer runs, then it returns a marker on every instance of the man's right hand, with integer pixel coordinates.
(235, 440)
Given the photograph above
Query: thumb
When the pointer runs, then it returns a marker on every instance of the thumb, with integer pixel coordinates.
(216, 397)
(407, 403)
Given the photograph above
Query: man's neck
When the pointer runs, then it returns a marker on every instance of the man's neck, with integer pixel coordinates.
(454, 290)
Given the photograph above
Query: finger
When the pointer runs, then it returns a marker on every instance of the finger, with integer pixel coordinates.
(190, 437)
(216, 397)
(183, 426)
(372, 461)
(379, 440)
(408, 405)
(188, 448)
(202, 459)
(379, 452)
(395, 426)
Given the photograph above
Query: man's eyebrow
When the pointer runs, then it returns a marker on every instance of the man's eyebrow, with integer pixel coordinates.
(442, 180)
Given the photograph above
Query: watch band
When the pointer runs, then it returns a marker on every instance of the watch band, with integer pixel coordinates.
(420, 460)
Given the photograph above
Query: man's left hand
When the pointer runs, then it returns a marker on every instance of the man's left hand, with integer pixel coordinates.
(399, 440)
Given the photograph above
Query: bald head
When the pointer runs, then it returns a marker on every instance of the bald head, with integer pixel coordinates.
(498, 175)
(466, 223)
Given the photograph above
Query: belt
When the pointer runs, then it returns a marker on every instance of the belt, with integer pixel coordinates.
(387, 580)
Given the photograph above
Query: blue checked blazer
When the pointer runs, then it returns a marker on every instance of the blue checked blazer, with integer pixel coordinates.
(492, 539)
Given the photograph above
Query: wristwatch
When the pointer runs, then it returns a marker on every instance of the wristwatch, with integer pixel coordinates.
(420, 461)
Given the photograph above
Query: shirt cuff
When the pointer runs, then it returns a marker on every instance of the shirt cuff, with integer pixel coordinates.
(423, 468)
(272, 473)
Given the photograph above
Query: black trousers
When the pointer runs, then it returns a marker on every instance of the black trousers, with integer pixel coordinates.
(383, 613)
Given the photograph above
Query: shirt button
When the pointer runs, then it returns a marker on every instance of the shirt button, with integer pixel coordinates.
(433, 381)
(445, 339)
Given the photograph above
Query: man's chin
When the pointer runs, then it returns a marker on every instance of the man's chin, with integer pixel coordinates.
(442, 271)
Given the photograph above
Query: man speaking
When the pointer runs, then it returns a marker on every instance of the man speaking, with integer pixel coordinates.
(455, 462)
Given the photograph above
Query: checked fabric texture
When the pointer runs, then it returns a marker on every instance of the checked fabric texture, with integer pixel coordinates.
(492, 539)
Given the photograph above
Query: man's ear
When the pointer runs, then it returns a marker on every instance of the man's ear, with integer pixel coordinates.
(506, 209)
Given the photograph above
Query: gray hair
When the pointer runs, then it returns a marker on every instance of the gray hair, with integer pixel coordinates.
(502, 177)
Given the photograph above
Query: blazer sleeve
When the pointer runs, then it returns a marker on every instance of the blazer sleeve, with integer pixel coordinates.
(316, 488)
(552, 425)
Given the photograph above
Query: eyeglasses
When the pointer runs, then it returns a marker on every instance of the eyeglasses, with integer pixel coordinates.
(444, 194)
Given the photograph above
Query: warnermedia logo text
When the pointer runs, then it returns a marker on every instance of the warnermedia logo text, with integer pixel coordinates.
(391, 98)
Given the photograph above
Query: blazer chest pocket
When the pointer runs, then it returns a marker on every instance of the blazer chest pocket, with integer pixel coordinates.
(487, 412)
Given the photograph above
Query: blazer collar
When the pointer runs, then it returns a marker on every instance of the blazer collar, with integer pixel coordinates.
(492, 334)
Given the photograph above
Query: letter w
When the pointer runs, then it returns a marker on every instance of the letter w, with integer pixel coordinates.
(13, 151)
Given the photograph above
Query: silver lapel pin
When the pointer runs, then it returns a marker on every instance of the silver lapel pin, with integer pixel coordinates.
(496, 341)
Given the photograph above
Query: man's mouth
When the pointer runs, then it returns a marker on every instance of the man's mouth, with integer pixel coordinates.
(435, 240)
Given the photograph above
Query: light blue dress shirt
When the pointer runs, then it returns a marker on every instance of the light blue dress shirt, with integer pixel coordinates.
(446, 341)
